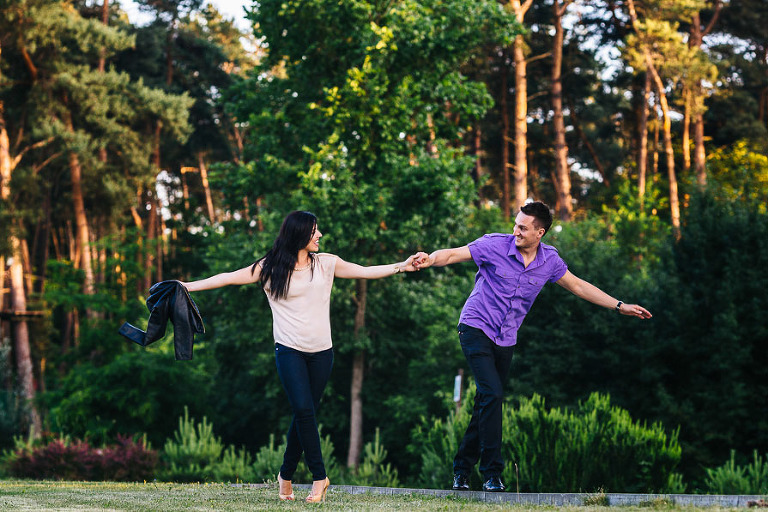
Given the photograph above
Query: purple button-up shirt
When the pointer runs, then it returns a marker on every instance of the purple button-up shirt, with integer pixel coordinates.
(504, 288)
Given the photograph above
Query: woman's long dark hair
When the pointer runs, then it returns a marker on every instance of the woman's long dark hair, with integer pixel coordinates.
(278, 264)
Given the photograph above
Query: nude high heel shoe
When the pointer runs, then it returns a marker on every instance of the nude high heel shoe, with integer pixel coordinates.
(284, 485)
(320, 496)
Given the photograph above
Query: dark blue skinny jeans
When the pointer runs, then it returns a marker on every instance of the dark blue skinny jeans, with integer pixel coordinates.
(490, 366)
(304, 376)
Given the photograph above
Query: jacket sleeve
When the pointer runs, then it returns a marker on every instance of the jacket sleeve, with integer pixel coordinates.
(186, 322)
(160, 303)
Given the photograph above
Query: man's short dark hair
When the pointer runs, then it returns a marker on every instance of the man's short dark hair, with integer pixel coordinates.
(541, 212)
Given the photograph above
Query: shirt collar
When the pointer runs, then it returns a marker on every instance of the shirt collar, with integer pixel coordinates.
(539, 259)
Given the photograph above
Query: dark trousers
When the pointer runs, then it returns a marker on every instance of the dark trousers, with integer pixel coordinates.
(490, 366)
(304, 376)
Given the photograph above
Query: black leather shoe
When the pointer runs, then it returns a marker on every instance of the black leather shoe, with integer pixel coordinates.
(493, 484)
(460, 482)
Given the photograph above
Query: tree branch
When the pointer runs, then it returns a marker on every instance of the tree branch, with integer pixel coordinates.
(717, 7)
(538, 57)
(47, 161)
(36, 145)
(524, 8)
(560, 11)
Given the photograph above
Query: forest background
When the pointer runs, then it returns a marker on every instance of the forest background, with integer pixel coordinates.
(172, 150)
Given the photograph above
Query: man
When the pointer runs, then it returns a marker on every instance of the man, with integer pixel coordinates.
(512, 269)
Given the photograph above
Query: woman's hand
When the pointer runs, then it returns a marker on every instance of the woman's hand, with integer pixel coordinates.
(411, 264)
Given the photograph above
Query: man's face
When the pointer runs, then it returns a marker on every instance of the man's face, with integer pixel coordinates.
(526, 234)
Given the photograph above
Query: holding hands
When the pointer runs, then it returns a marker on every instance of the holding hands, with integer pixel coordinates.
(415, 262)
(420, 260)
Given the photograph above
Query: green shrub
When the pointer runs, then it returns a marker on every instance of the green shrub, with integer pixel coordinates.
(436, 441)
(597, 446)
(733, 479)
(675, 484)
(126, 395)
(373, 471)
(269, 458)
(234, 466)
(193, 452)
(11, 405)
(63, 459)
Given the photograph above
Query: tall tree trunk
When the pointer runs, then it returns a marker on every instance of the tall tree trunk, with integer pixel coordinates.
(674, 199)
(103, 64)
(105, 21)
(6, 167)
(687, 112)
(521, 109)
(505, 163)
(46, 238)
(521, 125)
(26, 264)
(697, 97)
(358, 373)
(82, 233)
(587, 144)
(185, 186)
(656, 131)
(699, 152)
(151, 205)
(21, 343)
(259, 220)
(18, 294)
(642, 145)
(477, 145)
(562, 170)
(151, 258)
(101, 257)
(150, 250)
(206, 188)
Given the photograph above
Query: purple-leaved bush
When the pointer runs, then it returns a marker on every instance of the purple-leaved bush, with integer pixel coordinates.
(125, 461)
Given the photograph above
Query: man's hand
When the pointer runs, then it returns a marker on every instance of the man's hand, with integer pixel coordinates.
(634, 310)
(421, 260)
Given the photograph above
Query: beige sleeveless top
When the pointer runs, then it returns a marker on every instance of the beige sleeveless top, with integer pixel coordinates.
(302, 320)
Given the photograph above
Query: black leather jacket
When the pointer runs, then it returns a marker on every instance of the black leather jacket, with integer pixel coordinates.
(169, 300)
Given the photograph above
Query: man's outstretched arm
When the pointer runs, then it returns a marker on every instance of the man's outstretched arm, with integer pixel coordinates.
(442, 257)
(595, 295)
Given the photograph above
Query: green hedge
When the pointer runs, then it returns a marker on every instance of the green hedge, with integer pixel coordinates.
(594, 447)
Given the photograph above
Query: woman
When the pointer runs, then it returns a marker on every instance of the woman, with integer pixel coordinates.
(297, 281)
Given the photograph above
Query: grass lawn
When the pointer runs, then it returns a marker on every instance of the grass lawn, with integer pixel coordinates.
(159, 497)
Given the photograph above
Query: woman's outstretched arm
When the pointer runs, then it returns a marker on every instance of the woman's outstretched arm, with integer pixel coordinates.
(242, 276)
(348, 270)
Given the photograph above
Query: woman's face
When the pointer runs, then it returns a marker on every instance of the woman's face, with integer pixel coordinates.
(314, 241)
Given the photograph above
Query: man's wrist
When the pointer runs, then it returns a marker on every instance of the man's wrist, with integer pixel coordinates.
(618, 306)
